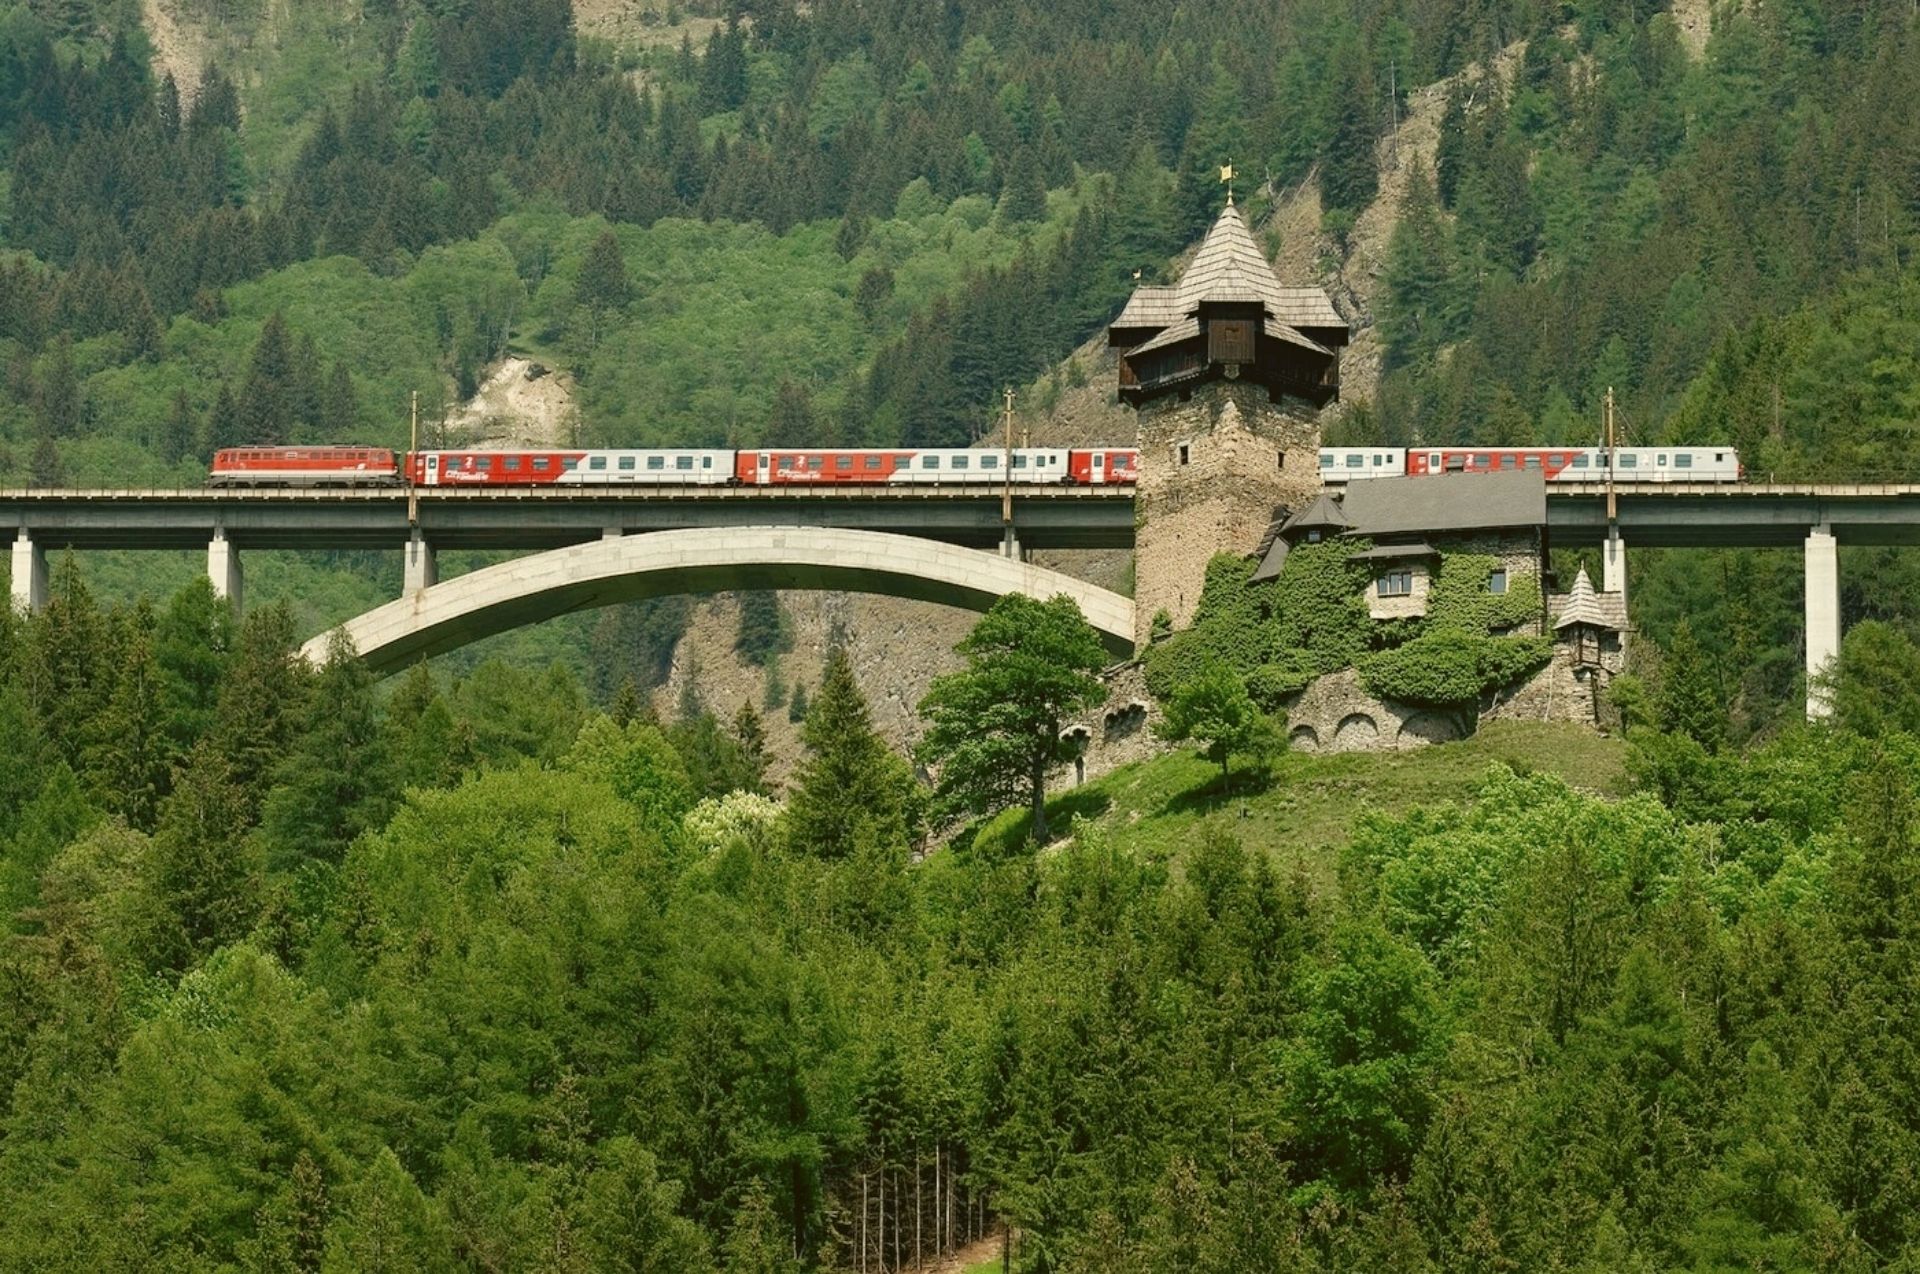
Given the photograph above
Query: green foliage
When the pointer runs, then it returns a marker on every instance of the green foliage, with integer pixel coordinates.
(1689, 701)
(1451, 669)
(1460, 599)
(850, 790)
(994, 728)
(1216, 709)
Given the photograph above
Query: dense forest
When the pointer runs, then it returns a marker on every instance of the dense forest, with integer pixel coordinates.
(480, 977)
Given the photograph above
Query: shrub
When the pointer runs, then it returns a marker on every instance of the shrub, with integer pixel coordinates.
(1449, 668)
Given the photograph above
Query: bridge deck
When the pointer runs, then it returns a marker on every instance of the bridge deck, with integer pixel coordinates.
(1735, 515)
(553, 517)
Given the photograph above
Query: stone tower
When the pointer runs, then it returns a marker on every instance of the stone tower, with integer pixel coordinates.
(1229, 370)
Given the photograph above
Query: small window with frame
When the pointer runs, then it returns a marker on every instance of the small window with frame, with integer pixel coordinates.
(1497, 582)
(1397, 583)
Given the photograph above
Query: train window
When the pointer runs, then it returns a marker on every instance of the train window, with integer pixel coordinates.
(813, 464)
(786, 464)
(626, 464)
(1326, 461)
(660, 462)
(1354, 462)
(1020, 462)
(843, 463)
(1497, 581)
(683, 462)
(871, 464)
(569, 463)
(1627, 460)
(433, 462)
(960, 462)
(1533, 462)
(989, 461)
(596, 462)
(1580, 460)
(1719, 456)
(706, 462)
(1683, 460)
(1433, 460)
(1661, 460)
(541, 464)
(929, 462)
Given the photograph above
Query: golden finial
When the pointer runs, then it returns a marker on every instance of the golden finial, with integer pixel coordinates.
(1226, 177)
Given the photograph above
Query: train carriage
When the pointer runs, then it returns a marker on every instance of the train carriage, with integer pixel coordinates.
(303, 467)
(570, 468)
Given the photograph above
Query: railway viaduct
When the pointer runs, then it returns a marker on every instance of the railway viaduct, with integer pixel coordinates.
(591, 548)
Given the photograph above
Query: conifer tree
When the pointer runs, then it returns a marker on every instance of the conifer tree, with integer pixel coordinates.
(129, 761)
(200, 885)
(849, 786)
(180, 431)
(751, 736)
(335, 781)
(762, 634)
(1023, 196)
(223, 427)
(193, 640)
(1690, 701)
(263, 696)
(792, 423)
(270, 400)
(602, 287)
(1349, 175)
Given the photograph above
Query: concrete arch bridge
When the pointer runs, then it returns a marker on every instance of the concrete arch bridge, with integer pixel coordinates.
(623, 568)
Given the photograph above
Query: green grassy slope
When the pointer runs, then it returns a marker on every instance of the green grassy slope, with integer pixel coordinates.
(1308, 803)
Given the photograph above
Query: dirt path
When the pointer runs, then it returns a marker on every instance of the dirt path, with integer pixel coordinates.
(963, 1259)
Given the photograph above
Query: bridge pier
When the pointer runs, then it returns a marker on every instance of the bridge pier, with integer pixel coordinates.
(223, 568)
(29, 575)
(1613, 563)
(423, 566)
(1823, 614)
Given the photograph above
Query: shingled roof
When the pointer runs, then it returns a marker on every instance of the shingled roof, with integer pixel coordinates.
(1584, 606)
(1231, 267)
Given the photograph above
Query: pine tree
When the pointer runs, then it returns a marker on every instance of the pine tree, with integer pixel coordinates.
(262, 701)
(602, 287)
(335, 782)
(200, 882)
(792, 423)
(270, 406)
(1349, 175)
(223, 426)
(192, 643)
(1690, 701)
(762, 634)
(1419, 315)
(57, 394)
(180, 431)
(130, 760)
(849, 786)
(797, 706)
(45, 469)
(751, 736)
(1023, 196)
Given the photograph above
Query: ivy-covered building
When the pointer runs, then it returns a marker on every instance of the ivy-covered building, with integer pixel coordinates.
(1465, 551)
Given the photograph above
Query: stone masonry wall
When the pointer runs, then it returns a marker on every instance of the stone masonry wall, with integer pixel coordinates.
(1223, 498)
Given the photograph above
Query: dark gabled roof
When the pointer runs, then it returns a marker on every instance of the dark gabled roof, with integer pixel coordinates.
(1394, 552)
(1324, 513)
(1271, 560)
(1446, 502)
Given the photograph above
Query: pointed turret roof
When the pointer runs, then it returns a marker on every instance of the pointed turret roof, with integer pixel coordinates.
(1324, 513)
(1230, 267)
(1584, 606)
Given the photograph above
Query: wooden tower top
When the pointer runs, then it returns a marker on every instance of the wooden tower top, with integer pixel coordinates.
(1229, 317)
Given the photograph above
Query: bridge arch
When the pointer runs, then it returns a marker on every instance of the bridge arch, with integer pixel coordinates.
(658, 563)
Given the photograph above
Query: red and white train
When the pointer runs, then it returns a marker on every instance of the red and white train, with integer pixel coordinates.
(1556, 464)
(373, 466)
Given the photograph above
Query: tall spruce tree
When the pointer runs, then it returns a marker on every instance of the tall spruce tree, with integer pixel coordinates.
(850, 787)
(335, 781)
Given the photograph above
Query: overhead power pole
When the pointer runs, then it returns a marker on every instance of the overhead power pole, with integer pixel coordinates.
(1009, 545)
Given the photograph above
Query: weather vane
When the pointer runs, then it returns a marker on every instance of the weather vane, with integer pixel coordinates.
(1226, 178)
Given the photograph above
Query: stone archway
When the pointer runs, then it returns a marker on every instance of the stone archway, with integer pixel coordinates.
(1357, 732)
(1423, 728)
(1303, 738)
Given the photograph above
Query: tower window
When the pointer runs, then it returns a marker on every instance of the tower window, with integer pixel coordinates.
(1280, 458)
(1185, 453)
(1497, 582)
